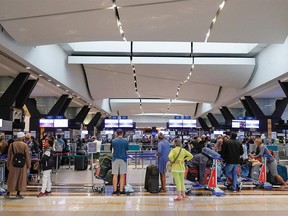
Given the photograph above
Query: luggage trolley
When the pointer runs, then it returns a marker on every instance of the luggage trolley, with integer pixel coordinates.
(212, 182)
(262, 181)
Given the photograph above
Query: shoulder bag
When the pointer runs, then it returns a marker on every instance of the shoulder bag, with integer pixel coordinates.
(169, 163)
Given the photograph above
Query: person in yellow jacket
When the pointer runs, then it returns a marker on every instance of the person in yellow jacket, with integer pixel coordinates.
(178, 167)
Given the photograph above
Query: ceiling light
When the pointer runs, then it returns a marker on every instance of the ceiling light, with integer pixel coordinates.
(49, 80)
(57, 85)
(67, 90)
(78, 97)
(40, 75)
(28, 68)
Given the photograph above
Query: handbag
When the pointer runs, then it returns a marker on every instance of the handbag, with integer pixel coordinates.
(169, 163)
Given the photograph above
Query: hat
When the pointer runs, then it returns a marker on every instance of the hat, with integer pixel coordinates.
(20, 134)
(27, 136)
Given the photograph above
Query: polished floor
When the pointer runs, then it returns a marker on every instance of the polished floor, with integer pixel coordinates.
(73, 195)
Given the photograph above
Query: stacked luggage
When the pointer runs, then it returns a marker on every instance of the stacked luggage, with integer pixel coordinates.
(152, 179)
(104, 170)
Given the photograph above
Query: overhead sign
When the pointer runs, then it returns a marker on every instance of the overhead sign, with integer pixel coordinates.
(187, 117)
(124, 117)
(114, 117)
(177, 117)
(1, 122)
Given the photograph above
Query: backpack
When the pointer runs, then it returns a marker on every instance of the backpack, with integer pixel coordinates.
(58, 146)
(19, 159)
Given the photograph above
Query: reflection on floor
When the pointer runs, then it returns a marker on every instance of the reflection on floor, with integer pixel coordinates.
(73, 195)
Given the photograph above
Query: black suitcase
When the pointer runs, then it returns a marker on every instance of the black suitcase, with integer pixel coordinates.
(152, 179)
(81, 163)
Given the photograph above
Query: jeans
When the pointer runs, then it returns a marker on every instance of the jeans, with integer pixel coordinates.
(231, 172)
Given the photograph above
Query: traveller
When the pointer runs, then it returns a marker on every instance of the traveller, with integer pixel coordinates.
(178, 167)
(17, 178)
(271, 161)
(47, 163)
(3, 144)
(231, 152)
(162, 154)
(119, 161)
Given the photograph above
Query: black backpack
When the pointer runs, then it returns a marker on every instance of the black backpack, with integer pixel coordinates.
(19, 159)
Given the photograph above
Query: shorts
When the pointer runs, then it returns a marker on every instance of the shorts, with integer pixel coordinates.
(119, 166)
(273, 168)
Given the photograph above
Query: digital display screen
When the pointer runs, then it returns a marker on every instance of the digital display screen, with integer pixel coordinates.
(252, 123)
(238, 123)
(60, 123)
(126, 123)
(111, 123)
(45, 123)
(189, 123)
(175, 123)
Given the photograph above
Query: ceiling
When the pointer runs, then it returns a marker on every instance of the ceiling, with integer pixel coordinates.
(160, 70)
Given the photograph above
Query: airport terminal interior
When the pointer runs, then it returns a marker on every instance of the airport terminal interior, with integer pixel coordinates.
(190, 69)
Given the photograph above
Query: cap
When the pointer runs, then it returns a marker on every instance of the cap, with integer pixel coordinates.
(20, 135)
(27, 136)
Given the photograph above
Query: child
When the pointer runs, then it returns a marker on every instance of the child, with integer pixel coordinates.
(47, 163)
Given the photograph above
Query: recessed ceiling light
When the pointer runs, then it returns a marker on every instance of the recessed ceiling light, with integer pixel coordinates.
(40, 75)
(57, 85)
(67, 90)
(28, 68)
(49, 80)
(78, 97)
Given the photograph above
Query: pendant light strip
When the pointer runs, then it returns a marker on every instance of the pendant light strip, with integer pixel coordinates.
(221, 6)
(185, 81)
(119, 24)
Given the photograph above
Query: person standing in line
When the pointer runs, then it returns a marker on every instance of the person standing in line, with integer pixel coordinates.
(47, 163)
(119, 161)
(96, 156)
(231, 152)
(17, 178)
(162, 154)
(3, 144)
(178, 167)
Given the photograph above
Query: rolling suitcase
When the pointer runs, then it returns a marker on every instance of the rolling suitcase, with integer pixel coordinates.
(152, 179)
(81, 163)
(193, 175)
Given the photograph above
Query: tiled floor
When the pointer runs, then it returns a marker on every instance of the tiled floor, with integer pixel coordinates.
(73, 196)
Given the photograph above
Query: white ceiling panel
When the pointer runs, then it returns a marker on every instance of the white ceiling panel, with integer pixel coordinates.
(110, 81)
(89, 26)
(174, 21)
(257, 21)
(17, 9)
(198, 92)
(229, 72)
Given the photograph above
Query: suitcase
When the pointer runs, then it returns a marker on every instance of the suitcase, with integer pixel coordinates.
(282, 171)
(210, 153)
(255, 172)
(81, 163)
(193, 175)
(152, 179)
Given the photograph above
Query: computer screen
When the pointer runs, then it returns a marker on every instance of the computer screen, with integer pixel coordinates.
(252, 123)
(238, 123)
(189, 123)
(175, 123)
(61, 123)
(125, 123)
(111, 123)
(45, 123)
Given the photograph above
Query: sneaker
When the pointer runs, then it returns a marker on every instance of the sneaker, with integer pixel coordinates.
(115, 193)
(48, 193)
(19, 196)
(41, 194)
(234, 191)
(240, 186)
(7, 196)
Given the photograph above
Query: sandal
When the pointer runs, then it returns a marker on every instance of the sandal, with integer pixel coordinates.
(177, 199)
(163, 190)
(184, 197)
